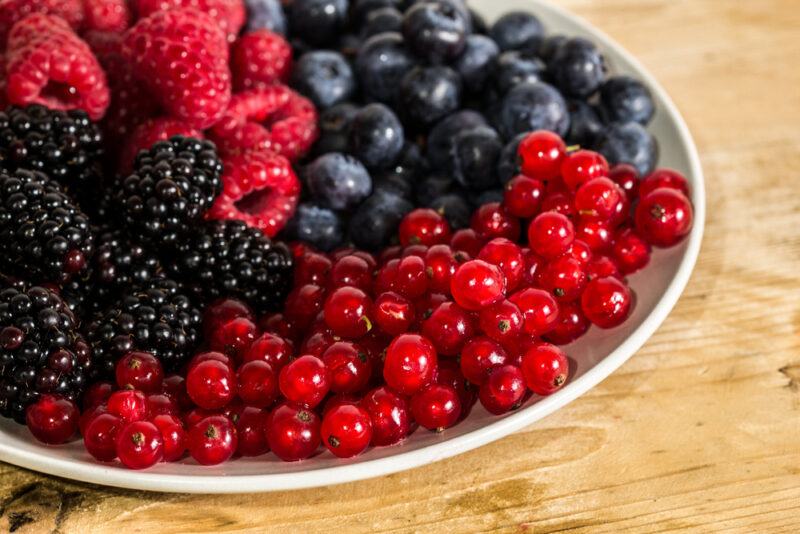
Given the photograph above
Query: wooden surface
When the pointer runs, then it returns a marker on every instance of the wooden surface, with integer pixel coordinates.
(699, 431)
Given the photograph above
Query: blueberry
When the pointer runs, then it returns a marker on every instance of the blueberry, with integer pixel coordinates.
(324, 77)
(362, 8)
(476, 62)
(516, 67)
(435, 31)
(630, 142)
(577, 67)
(385, 19)
(550, 45)
(395, 183)
(375, 221)
(317, 22)
(320, 227)
(376, 136)
(517, 30)
(348, 45)
(265, 15)
(508, 164)
(478, 23)
(433, 187)
(585, 125)
(624, 99)
(337, 181)
(440, 137)
(532, 106)
(334, 128)
(410, 164)
(428, 94)
(381, 63)
(454, 208)
(475, 156)
(486, 197)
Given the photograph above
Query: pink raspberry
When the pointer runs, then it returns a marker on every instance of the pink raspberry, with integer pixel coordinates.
(149, 132)
(259, 188)
(229, 14)
(46, 63)
(181, 56)
(13, 11)
(259, 59)
(271, 118)
(107, 15)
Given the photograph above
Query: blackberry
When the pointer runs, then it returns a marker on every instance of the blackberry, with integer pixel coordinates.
(173, 184)
(158, 318)
(65, 145)
(228, 258)
(45, 236)
(41, 350)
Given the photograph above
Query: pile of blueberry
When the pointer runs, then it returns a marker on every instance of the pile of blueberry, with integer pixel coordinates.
(423, 104)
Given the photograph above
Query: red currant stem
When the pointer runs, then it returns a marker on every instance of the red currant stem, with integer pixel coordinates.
(573, 148)
(366, 321)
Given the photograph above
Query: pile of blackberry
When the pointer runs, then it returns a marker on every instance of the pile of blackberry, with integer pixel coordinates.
(424, 104)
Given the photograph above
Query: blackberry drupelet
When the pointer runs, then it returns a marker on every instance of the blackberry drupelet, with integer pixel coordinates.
(158, 318)
(41, 350)
(228, 258)
(173, 184)
(65, 145)
(45, 236)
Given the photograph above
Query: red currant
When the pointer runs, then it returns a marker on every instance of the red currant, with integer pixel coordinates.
(479, 357)
(410, 363)
(448, 373)
(668, 178)
(508, 257)
(278, 324)
(211, 384)
(564, 278)
(412, 277)
(160, 404)
(223, 311)
(272, 349)
(351, 271)
(317, 342)
(348, 366)
(234, 337)
(52, 419)
(212, 440)
(533, 267)
(173, 436)
(140, 445)
(304, 303)
(348, 311)
(599, 197)
(390, 415)
(390, 253)
(128, 404)
(100, 436)
(477, 284)
(211, 355)
(257, 383)
(394, 314)
(467, 240)
(312, 268)
(630, 252)
(436, 407)
(493, 220)
(664, 217)
(545, 368)
(559, 202)
(140, 370)
(414, 250)
(252, 440)
(607, 302)
(346, 430)
(503, 389)
(97, 394)
(595, 233)
(423, 227)
(582, 166)
(522, 196)
(550, 234)
(571, 324)
(539, 310)
(541, 154)
(448, 328)
(600, 267)
(501, 322)
(440, 265)
(339, 399)
(579, 251)
(305, 381)
(293, 432)
(627, 178)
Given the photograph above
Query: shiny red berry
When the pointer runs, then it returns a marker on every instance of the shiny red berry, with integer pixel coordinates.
(211, 384)
(541, 154)
(600, 267)
(440, 265)
(503, 389)
(140, 445)
(607, 302)
(436, 407)
(317, 342)
(410, 363)
(159, 404)
(272, 349)
(351, 271)
(479, 357)
(448, 373)
(140, 370)
(348, 365)
(596, 233)
(250, 426)
(412, 277)
(52, 419)
(424, 227)
(348, 312)
(630, 252)
(477, 284)
(173, 435)
(293, 432)
(346, 430)
(257, 383)
(582, 166)
(539, 310)
(312, 268)
(100, 436)
(97, 394)
(212, 440)
(305, 381)
(550, 234)
(565, 278)
(394, 314)
(390, 415)
(304, 303)
(669, 178)
(570, 325)
(467, 240)
(234, 337)
(627, 178)
(448, 328)
(493, 220)
(579, 251)
(664, 217)
(522, 196)
(545, 368)
(599, 197)
(559, 202)
(223, 311)
(502, 322)
(508, 257)
(128, 404)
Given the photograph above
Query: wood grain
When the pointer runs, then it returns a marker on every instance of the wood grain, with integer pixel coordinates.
(699, 431)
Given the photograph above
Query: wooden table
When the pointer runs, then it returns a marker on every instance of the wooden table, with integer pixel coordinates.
(700, 430)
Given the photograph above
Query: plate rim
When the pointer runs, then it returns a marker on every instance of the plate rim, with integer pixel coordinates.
(213, 483)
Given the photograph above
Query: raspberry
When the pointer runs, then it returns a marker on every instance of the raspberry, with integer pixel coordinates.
(275, 118)
(181, 57)
(258, 188)
(259, 59)
(107, 15)
(228, 14)
(13, 11)
(148, 133)
(46, 63)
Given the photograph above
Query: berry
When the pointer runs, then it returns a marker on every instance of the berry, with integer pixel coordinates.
(375, 222)
(346, 430)
(270, 348)
(234, 337)
(390, 415)
(380, 65)
(293, 432)
(571, 324)
(624, 99)
(155, 318)
(112, 16)
(630, 252)
(394, 314)
(425, 227)
(173, 436)
(412, 278)
(480, 356)
(324, 77)
(348, 311)
(228, 14)
(140, 370)
(493, 220)
(385, 19)
(100, 436)
(448, 327)
(41, 351)
(47, 64)
(410, 363)
(266, 15)
(522, 196)
(627, 178)
(585, 125)
(530, 107)
(508, 257)
(212, 440)
(12, 11)
(440, 142)
(317, 22)
(607, 302)
(52, 419)
(428, 94)
(466, 241)
(664, 217)
(224, 310)
(349, 366)
(630, 142)
(436, 30)
(338, 181)
(260, 58)
(550, 234)
(181, 56)
(601, 198)
(149, 133)
(320, 227)
(502, 322)
(668, 178)
(96, 394)
(305, 381)
(581, 166)
(172, 186)
(516, 67)
(436, 407)
(565, 278)
(602, 266)
(304, 304)
(128, 404)
(517, 30)
(503, 389)
(158, 404)
(376, 136)
(477, 284)
(597, 234)
(211, 384)
(475, 64)
(578, 68)
(140, 445)
(334, 128)
(65, 145)
(257, 384)
(475, 155)
(229, 259)
(352, 271)
(45, 236)
(545, 368)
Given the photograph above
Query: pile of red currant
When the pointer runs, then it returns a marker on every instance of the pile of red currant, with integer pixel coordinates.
(368, 348)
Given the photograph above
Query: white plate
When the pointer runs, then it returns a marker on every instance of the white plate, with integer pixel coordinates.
(597, 355)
